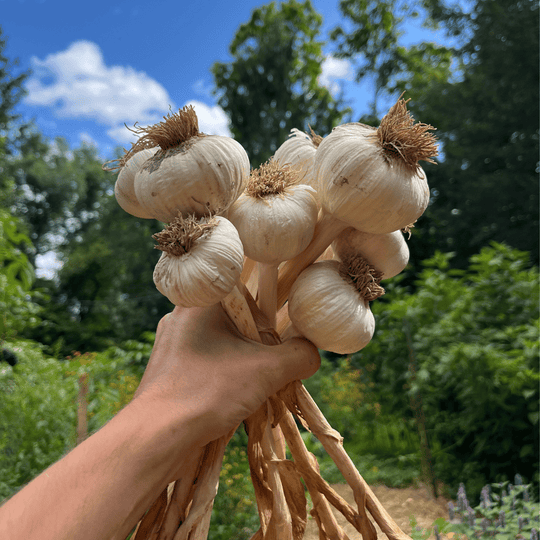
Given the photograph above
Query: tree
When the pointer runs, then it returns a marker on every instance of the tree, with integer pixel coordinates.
(104, 293)
(58, 190)
(271, 85)
(373, 42)
(482, 96)
(466, 344)
(486, 186)
(11, 90)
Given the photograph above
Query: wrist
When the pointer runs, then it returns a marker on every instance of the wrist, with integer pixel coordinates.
(175, 427)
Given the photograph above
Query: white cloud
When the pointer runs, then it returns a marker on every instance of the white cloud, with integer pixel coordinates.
(335, 70)
(87, 139)
(212, 119)
(77, 83)
(202, 89)
(47, 265)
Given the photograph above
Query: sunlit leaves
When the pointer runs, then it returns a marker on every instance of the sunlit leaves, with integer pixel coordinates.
(271, 84)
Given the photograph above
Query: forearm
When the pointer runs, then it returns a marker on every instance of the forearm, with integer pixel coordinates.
(102, 487)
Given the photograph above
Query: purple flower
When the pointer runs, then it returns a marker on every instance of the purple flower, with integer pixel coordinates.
(485, 497)
(451, 513)
(462, 501)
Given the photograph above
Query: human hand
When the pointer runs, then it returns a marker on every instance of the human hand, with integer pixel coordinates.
(202, 366)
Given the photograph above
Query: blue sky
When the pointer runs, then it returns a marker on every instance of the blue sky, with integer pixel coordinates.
(101, 65)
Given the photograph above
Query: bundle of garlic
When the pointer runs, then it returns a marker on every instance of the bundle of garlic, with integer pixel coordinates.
(250, 241)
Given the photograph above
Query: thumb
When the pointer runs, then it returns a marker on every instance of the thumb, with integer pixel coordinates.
(298, 359)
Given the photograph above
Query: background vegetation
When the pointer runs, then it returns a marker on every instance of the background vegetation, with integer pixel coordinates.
(448, 388)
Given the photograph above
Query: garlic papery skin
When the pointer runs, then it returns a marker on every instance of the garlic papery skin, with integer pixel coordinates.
(277, 227)
(275, 219)
(388, 253)
(192, 173)
(370, 178)
(350, 192)
(299, 152)
(329, 311)
(124, 187)
(201, 262)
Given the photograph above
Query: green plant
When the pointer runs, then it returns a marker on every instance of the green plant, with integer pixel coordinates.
(38, 409)
(234, 515)
(506, 511)
(474, 339)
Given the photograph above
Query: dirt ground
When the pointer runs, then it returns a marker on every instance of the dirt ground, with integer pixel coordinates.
(399, 503)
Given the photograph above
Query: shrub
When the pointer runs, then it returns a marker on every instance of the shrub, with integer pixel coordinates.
(38, 409)
(505, 512)
(466, 344)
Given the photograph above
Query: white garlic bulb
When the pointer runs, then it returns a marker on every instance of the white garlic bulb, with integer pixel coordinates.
(328, 310)
(275, 218)
(388, 253)
(277, 227)
(370, 178)
(201, 262)
(299, 152)
(124, 187)
(191, 173)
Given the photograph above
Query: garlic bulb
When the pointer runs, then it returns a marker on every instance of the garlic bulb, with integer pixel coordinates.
(370, 178)
(299, 152)
(124, 187)
(201, 262)
(274, 217)
(327, 309)
(191, 173)
(388, 252)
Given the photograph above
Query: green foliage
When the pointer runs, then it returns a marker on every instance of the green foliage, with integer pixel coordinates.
(271, 85)
(505, 511)
(16, 278)
(373, 36)
(234, 514)
(486, 186)
(37, 416)
(11, 92)
(481, 92)
(58, 190)
(105, 292)
(467, 344)
(38, 409)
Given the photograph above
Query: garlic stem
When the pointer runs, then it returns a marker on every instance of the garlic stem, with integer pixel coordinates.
(195, 527)
(290, 331)
(182, 495)
(326, 231)
(281, 517)
(308, 469)
(283, 320)
(332, 443)
(268, 278)
(237, 308)
(249, 275)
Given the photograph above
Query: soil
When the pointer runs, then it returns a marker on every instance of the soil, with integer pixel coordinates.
(399, 503)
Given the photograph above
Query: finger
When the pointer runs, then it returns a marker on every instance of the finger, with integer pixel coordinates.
(299, 359)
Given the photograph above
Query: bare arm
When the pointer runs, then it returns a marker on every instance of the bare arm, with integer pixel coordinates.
(202, 380)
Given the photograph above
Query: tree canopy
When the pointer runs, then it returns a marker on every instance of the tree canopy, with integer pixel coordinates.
(481, 93)
(271, 85)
